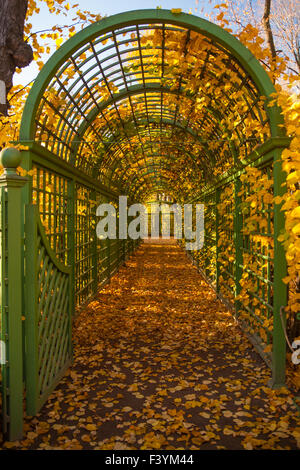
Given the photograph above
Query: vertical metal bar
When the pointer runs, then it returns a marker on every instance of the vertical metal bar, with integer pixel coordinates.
(14, 301)
(207, 233)
(123, 251)
(217, 201)
(94, 244)
(280, 288)
(269, 267)
(31, 328)
(12, 185)
(55, 215)
(238, 241)
(71, 223)
(4, 315)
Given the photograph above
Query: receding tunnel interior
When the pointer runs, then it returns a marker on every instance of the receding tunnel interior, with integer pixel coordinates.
(158, 106)
(151, 107)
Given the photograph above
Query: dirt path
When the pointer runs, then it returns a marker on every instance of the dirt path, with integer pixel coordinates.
(161, 364)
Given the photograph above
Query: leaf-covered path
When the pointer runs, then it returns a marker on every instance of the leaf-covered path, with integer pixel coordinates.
(161, 364)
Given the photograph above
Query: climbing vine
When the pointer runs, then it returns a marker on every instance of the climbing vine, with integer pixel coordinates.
(200, 119)
(258, 252)
(226, 248)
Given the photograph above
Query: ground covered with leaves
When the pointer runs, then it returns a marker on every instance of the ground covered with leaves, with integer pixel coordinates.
(159, 363)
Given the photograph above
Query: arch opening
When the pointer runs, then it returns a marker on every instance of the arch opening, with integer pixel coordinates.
(149, 102)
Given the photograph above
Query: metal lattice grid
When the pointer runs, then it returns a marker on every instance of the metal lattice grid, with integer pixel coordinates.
(147, 102)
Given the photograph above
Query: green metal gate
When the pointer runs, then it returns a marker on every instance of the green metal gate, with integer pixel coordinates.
(48, 321)
(38, 289)
(38, 355)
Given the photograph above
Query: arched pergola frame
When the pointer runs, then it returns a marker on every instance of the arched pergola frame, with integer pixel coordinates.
(97, 127)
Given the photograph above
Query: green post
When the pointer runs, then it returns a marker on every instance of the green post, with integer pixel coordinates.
(31, 296)
(71, 240)
(238, 241)
(95, 244)
(124, 251)
(280, 288)
(108, 261)
(217, 199)
(12, 255)
(160, 222)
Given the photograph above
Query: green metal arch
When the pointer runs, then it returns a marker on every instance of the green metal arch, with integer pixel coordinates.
(181, 149)
(134, 91)
(244, 57)
(143, 182)
(165, 124)
(164, 165)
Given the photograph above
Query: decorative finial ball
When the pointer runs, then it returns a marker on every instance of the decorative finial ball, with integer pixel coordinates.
(10, 157)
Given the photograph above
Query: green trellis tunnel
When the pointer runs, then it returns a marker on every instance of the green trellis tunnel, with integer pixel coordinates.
(118, 110)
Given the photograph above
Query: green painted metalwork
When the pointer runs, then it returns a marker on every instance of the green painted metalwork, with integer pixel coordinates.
(227, 254)
(50, 192)
(92, 139)
(84, 38)
(238, 241)
(257, 255)
(48, 341)
(11, 293)
(93, 64)
(102, 120)
(217, 228)
(85, 235)
(3, 316)
(243, 251)
(279, 288)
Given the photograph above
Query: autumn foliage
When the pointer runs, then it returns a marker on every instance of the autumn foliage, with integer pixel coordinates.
(228, 136)
(160, 363)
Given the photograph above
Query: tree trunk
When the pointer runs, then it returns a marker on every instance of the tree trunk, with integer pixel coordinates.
(267, 28)
(14, 52)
